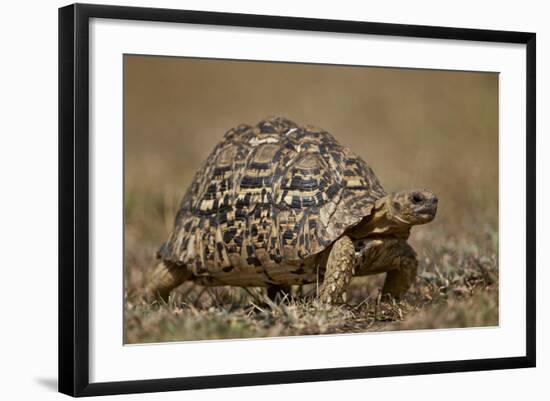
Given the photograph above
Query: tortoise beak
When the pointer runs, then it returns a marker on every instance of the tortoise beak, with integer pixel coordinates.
(425, 204)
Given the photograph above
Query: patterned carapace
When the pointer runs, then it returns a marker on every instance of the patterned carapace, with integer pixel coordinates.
(268, 195)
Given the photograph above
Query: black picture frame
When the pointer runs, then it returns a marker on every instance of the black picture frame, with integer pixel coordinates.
(74, 198)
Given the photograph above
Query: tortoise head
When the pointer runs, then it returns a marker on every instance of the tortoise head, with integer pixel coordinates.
(410, 207)
(394, 214)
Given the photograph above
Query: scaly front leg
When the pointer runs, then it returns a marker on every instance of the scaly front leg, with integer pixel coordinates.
(394, 256)
(339, 271)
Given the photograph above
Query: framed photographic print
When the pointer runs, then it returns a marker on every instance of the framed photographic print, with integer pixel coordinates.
(277, 199)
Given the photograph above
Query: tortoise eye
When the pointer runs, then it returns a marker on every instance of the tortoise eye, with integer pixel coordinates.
(417, 197)
(396, 206)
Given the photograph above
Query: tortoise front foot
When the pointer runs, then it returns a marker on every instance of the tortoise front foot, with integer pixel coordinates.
(339, 271)
(394, 256)
(403, 274)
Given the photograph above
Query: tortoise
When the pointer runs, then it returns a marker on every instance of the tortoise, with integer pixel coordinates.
(278, 204)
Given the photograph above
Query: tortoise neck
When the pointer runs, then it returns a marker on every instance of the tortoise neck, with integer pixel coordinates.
(381, 222)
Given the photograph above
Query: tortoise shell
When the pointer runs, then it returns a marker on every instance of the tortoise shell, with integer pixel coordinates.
(268, 195)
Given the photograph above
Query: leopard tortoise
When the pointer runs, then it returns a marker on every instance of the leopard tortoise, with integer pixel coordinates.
(278, 204)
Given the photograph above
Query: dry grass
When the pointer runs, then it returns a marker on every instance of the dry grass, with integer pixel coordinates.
(456, 288)
(432, 129)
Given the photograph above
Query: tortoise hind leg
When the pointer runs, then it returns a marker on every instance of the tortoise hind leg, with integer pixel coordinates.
(164, 278)
(339, 271)
(277, 292)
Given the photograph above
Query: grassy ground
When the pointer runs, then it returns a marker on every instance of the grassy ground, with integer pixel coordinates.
(457, 287)
(427, 129)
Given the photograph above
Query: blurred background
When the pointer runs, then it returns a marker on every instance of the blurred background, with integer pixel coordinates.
(416, 128)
